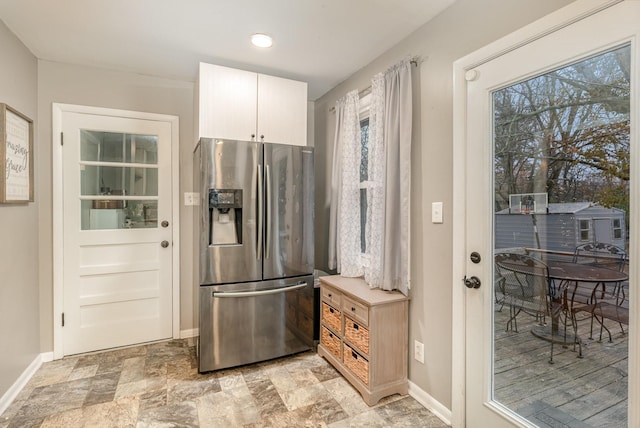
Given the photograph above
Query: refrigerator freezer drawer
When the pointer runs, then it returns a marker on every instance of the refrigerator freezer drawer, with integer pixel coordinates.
(251, 322)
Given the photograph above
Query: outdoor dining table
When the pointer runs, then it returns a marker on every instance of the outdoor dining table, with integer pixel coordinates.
(562, 276)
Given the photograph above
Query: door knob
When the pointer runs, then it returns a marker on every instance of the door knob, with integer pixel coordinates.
(165, 223)
(164, 244)
(472, 282)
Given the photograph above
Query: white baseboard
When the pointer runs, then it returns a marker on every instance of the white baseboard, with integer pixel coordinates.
(430, 403)
(46, 357)
(27, 374)
(184, 334)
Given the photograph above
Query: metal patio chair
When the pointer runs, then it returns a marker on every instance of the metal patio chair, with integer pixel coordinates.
(525, 287)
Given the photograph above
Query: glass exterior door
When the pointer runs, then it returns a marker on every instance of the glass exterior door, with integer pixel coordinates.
(561, 147)
(550, 167)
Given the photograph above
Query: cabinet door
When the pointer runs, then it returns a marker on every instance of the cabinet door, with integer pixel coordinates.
(227, 101)
(282, 110)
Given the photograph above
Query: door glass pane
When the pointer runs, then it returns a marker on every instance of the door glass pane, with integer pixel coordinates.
(114, 214)
(101, 146)
(110, 180)
(114, 169)
(561, 210)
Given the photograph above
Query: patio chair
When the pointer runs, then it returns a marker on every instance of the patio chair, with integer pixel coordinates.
(524, 285)
(601, 253)
(603, 307)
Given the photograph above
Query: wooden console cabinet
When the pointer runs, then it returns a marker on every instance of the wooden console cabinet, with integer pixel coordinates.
(364, 335)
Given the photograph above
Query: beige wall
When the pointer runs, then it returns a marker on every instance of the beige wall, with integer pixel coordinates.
(19, 317)
(464, 27)
(26, 319)
(70, 84)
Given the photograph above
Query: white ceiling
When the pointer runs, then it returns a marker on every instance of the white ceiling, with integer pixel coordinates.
(322, 42)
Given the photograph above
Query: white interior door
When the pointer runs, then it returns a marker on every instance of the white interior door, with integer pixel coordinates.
(117, 231)
(555, 115)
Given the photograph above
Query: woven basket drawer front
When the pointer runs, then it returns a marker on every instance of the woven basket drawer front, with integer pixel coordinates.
(357, 335)
(331, 317)
(357, 364)
(355, 310)
(331, 342)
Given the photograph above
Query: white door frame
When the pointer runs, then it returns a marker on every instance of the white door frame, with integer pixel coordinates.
(57, 198)
(574, 12)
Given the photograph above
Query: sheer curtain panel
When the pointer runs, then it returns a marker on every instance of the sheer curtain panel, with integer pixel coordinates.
(344, 220)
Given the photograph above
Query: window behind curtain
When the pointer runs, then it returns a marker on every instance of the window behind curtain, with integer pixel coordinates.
(365, 106)
(364, 176)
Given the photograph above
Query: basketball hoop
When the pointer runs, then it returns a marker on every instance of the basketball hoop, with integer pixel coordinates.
(528, 203)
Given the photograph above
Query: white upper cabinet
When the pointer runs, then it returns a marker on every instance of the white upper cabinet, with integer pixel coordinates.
(227, 103)
(282, 110)
(241, 105)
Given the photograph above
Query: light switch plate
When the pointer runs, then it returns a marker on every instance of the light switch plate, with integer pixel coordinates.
(436, 212)
(191, 198)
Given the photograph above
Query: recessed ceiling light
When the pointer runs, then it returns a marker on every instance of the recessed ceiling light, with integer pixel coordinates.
(261, 40)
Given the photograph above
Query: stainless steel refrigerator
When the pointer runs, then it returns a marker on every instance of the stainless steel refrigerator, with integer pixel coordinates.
(256, 257)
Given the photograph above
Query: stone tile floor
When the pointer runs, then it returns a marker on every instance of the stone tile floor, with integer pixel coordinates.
(157, 385)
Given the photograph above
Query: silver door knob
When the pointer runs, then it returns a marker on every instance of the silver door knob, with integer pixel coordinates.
(165, 223)
(164, 244)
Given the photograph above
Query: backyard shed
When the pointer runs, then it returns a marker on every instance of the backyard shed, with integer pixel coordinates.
(563, 227)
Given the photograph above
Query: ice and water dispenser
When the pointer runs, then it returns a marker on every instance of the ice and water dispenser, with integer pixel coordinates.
(225, 216)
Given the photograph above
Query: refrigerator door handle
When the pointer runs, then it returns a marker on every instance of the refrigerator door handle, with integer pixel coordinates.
(298, 286)
(268, 216)
(260, 214)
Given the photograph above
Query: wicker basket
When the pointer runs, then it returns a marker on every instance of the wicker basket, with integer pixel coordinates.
(331, 342)
(357, 335)
(331, 318)
(357, 364)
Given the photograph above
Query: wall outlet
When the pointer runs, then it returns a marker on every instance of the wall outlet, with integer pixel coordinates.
(418, 351)
(191, 198)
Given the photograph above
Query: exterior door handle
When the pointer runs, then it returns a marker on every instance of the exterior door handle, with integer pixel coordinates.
(164, 244)
(473, 282)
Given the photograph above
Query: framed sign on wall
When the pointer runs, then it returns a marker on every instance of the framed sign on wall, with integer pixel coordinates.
(16, 156)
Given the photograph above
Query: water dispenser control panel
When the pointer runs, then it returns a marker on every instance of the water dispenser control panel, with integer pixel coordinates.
(225, 216)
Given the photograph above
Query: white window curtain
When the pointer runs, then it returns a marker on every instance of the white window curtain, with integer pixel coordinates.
(388, 212)
(385, 264)
(344, 220)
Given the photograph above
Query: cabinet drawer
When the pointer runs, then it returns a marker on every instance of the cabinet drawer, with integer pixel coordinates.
(357, 364)
(331, 342)
(332, 296)
(357, 335)
(331, 318)
(355, 310)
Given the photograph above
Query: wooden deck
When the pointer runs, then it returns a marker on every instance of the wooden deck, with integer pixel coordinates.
(573, 392)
